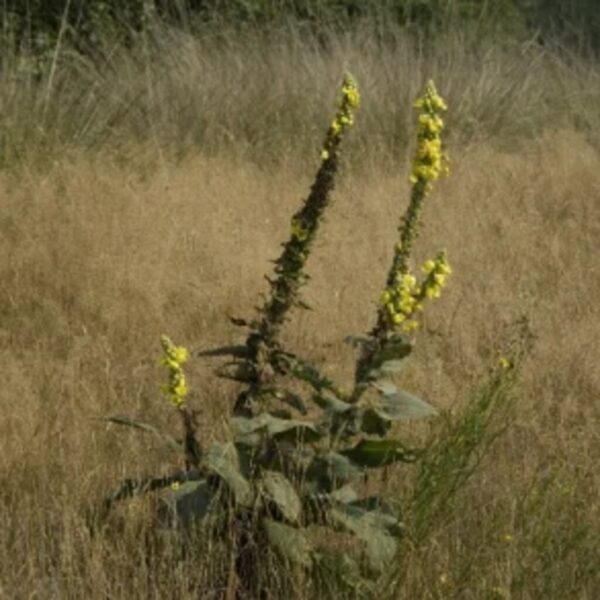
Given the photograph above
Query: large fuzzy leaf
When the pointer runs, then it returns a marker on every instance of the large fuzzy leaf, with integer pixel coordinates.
(235, 351)
(374, 528)
(252, 430)
(280, 491)
(358, 341)
(388, 360)
(308, 373)
(394, 348)
(223, 460)
(330, 471)
(135, 487)
(340, 576)
(374, 422)
(402, 405)
(291, 399)
(331, 403)
(289, 542)
(378, 453)
(170, 441)
(189, 502)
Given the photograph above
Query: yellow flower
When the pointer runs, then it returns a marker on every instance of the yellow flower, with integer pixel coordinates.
(504, 363)
(180, 354)
(398, 318)
(299, 231)
(350, 91)
(174, 356)
(324, 154)
(409, 326)
(409, 281)
(428, 266)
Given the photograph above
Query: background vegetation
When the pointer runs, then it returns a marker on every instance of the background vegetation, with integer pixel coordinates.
(150, 162)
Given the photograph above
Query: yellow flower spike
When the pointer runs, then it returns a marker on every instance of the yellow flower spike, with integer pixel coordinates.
(174, 356)
(429, 162)
(336, 127)
(350, 91)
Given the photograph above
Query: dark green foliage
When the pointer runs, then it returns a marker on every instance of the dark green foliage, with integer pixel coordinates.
(36, 23)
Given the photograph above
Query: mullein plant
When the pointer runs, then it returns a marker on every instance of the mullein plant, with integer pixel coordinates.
(301, 445)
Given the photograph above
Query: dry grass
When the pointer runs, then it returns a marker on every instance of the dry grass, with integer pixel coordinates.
(99, 260)
(170, 226)
(268, 94)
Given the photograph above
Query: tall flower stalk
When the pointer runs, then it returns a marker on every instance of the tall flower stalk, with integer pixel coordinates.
(403, 297)
(305, 222)
(262, 343)
(175, 390)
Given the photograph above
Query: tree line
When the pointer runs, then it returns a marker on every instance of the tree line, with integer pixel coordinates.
(27, 23)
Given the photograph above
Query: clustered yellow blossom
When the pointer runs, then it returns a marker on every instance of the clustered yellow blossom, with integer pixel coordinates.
(299, 230)
(344, 117)
(405, 297)
(174, 356)
(437, 272)
(430, 161)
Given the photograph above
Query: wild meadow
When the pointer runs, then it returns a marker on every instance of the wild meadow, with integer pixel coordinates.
(146, 189)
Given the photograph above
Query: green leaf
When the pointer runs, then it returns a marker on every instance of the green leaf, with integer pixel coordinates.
(236, 371)
(390, 358)
(389, 367)
(291, 399)
(345, 495)
(251, 431)
(373, 528)
(129, 488)
(358, 341)
(331, 404)
(330, 471)
(289, 542)
(190, 502)
(402, 405)
(223, 460)
(170, 441)
(235, 351)
(389, 511)
(379, 453)
(394, 348)
(374, 422)
(339, 576)
(384, 386)
(304, 371)
(279, 490)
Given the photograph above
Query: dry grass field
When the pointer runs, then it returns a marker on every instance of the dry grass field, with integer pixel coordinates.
(102, 251)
